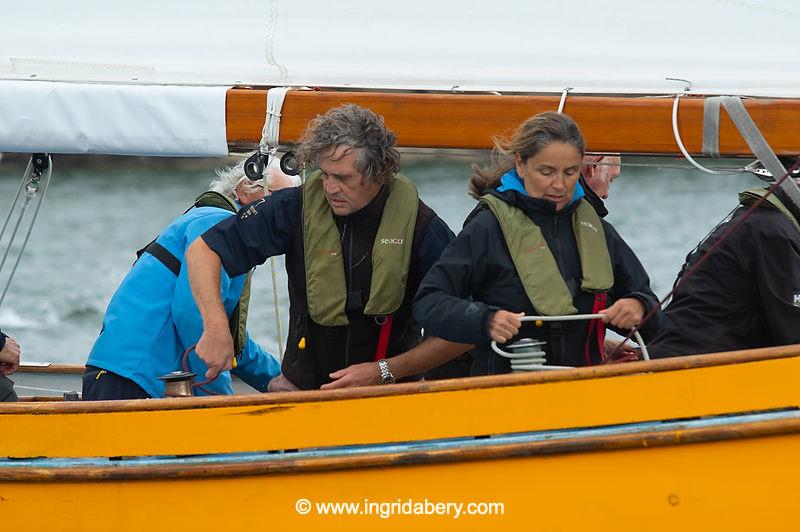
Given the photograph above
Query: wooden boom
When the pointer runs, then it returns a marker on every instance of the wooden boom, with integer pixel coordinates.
(636, 125)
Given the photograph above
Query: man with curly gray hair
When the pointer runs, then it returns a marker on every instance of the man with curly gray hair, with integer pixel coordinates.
(356, 128)
(357, 240)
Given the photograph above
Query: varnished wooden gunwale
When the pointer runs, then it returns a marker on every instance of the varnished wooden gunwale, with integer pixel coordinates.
(616, 442)
(634, 125)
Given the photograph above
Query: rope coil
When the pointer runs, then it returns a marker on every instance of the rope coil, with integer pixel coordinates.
(535, 360)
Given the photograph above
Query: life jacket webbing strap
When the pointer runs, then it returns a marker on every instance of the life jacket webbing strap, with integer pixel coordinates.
(164, 256)
(383, 339)
(600, 299)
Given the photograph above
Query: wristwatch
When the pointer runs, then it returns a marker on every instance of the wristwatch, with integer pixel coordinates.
(386, 374)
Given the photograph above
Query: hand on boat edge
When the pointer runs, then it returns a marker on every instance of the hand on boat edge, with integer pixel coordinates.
(364, 374)
(281, 384)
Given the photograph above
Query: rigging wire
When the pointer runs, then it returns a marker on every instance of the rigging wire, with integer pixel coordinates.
(31, 181)
(14, 201)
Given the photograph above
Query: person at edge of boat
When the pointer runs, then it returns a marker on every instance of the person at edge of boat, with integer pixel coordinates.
(357, 241)
(9, 363)
(534, 246)
(152, 318)
(599, 171)
(747, 293)
(596, 175)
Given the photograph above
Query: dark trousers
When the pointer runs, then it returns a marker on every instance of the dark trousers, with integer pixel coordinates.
(7, 393)
(102, 385)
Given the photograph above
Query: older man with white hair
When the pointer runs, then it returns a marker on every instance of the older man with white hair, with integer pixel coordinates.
(152, 319)
(600, 171)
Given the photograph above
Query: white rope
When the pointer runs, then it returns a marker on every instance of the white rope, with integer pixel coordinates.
(270, 134)
(534, 360)
(681, 147)
(563, 101)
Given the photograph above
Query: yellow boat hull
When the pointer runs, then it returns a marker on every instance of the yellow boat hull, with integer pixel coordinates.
(742, 484)
(703, 442)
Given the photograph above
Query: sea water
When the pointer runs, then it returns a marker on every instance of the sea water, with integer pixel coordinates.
(94, 219)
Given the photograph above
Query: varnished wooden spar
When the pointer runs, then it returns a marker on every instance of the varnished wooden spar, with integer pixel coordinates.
(636, 125)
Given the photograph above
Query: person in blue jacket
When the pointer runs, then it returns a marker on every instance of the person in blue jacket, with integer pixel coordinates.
(152, 318)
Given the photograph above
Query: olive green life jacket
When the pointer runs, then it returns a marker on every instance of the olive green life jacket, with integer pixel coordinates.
(326, 289)
(536, 265)
(750, 196)
(238, 320)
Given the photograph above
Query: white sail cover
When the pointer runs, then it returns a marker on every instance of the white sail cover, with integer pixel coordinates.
(742, 47)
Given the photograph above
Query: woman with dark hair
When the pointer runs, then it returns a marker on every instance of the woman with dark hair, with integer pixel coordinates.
(534, 246)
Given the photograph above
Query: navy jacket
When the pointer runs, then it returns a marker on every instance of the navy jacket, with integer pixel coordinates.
(746, 295)
(476, 277)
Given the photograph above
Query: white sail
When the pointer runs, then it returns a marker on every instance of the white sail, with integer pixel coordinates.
(742, 47)
(746, 47)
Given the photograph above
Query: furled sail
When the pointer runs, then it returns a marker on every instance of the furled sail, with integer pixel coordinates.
(620, 48)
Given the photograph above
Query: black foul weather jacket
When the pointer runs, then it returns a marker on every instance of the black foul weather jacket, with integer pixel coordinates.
(745, 295)
(476, 276)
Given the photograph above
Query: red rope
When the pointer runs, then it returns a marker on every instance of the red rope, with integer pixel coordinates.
(185, 366)
(600, 299)
(383, 338)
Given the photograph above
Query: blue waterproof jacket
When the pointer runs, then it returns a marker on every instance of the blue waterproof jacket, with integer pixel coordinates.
(152, 318)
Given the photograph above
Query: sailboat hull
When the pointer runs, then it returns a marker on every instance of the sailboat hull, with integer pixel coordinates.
(706, 441)
(626, 483)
